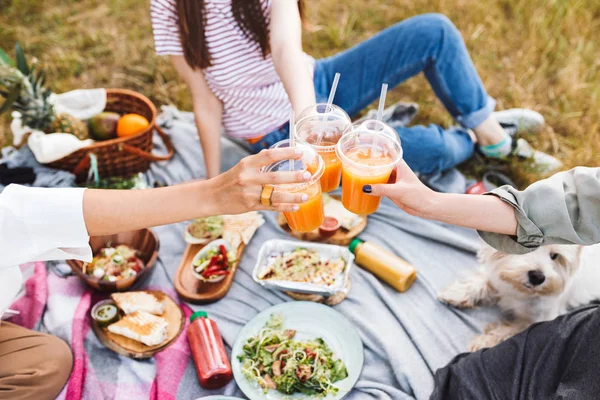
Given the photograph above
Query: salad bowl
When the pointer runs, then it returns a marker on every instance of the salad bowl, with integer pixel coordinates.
(144, 241)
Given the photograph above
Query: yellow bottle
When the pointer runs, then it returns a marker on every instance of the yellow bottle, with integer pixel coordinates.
(386, 266)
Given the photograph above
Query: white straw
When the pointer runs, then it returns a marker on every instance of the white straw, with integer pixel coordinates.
(384, 88)
(292, 136)
(382, 101)
(336, 80)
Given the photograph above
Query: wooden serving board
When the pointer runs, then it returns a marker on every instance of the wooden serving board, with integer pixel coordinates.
(342, 237)
(195, 291)
(134, 349)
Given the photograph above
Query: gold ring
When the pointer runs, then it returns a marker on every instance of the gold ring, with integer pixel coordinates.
(265, 195)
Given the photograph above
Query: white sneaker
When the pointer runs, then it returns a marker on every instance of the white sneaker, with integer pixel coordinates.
(541, 161)
(525, 120)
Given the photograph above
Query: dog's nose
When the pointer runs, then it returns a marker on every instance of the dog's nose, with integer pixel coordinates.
(536, 277)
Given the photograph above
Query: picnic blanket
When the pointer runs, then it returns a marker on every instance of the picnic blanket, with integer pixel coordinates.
(406, 336)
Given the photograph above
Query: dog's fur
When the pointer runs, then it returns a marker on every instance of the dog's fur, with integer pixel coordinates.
(571, 277)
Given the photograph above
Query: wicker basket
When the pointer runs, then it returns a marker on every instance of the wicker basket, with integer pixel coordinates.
(122, 156)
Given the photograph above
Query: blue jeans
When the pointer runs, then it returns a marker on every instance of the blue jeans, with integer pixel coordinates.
(427, 43)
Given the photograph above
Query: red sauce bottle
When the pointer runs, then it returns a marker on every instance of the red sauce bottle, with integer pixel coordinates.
(210, 357)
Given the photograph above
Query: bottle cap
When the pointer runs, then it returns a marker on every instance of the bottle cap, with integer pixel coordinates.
(198, 314)
(354, 243)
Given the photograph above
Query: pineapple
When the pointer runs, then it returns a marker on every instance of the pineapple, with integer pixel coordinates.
(66, 123)
(24, 91)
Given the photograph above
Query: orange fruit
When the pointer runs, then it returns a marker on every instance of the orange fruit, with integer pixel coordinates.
(131, 124)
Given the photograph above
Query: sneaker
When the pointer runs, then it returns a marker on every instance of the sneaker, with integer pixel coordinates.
(523, 119)
(541, 161)
(397, 115)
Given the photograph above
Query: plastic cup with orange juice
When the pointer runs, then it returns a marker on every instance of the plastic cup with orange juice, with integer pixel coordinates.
(369, 152)
(310, 214)
(321, 126)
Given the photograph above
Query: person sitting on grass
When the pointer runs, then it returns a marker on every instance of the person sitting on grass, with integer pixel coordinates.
(245, 68)
(549, 360)
(55, 224)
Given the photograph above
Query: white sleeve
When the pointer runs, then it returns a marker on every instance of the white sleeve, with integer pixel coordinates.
(165, 26)
(38, 224)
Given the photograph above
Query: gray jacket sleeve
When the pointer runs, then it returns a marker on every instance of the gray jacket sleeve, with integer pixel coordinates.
(563, 209)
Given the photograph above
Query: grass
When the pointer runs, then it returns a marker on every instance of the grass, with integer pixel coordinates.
(539, 54)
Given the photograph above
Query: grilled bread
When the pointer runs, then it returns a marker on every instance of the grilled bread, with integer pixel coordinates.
(142, 327)
(131, 302)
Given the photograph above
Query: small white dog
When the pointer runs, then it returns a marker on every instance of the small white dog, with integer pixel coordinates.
(528, 288)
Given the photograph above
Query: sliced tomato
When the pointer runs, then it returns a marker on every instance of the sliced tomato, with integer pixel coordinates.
(224, 254)
(221, 272)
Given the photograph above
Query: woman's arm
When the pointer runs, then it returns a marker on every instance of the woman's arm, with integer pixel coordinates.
(236, 191)
(563, 209)
(288, 57)
(39, 224)
(477, 212)
(208, 112)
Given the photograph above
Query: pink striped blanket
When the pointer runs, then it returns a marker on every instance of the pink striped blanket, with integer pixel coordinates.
(61, 306)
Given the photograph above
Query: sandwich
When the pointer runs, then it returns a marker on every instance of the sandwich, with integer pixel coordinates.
(131, 302)
(142, 327)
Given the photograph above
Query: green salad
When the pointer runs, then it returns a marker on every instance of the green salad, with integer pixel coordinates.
(276, 361)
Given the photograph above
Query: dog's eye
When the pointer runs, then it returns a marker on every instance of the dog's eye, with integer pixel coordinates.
(554, 256)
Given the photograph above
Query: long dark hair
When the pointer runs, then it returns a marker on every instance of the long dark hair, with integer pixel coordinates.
(248, 14)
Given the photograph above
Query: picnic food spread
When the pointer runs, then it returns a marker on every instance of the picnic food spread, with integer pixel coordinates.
(302, 265)
(134, 315)
(208, 351)
(141, 326)
(275, 360)
(105, 313)
(203, 230)
(213, 264)
(114, 263)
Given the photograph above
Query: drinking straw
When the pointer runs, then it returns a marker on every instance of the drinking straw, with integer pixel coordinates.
(336, 80)
(379, 116)
(292, 136)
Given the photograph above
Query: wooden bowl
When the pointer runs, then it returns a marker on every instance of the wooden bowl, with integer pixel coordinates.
(145, 241)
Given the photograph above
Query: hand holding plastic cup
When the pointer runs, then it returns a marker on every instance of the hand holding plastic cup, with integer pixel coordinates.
(310, 214)
(369, 152)
(321, 126)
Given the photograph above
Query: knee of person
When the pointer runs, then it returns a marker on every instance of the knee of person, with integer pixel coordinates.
(439, 24)
(54, 364)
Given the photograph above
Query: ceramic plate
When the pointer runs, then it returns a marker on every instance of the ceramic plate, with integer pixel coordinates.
(310, 320)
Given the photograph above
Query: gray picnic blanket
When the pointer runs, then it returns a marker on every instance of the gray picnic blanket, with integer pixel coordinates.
(406, 336)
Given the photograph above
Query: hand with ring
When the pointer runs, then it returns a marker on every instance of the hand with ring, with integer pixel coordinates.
(246, 188)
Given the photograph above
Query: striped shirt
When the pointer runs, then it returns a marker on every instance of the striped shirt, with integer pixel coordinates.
(254, 99)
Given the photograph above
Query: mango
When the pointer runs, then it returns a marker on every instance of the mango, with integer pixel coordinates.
(104, 125)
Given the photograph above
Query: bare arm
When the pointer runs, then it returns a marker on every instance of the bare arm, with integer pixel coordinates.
(563, 209)
(234, 192)
(288, 57)
(485, 213)
(208, 112)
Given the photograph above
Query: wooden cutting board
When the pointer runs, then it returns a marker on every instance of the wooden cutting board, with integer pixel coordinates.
(134, 349)
(342, 237)
(195, 291)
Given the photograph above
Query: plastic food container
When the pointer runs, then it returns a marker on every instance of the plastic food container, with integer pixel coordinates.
(278, 246)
